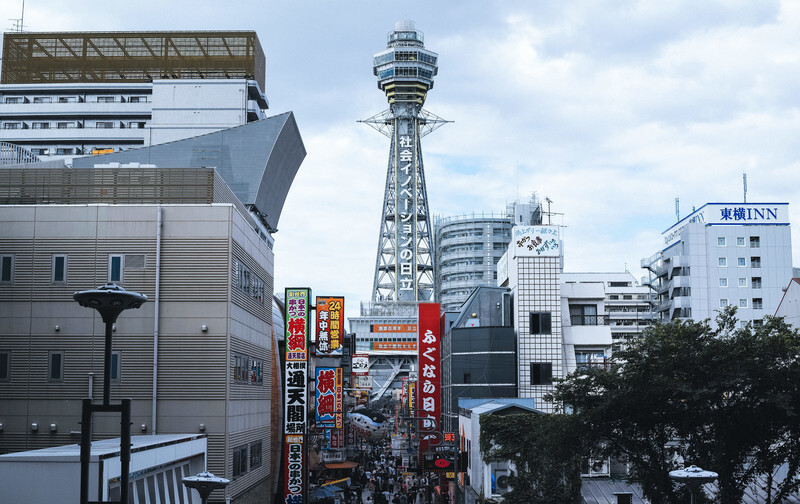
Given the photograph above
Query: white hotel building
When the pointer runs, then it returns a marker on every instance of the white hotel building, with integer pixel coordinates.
(722, 254)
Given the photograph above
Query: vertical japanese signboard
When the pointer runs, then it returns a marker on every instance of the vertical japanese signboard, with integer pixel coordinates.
(330, 325)
(329, 397)
(407, 202)
(295, 400)
(294, 472)
(430, 369)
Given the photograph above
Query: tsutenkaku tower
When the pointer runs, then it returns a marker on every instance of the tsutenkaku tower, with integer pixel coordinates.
(405, 71)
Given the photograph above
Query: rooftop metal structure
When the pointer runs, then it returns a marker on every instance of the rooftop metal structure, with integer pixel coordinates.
(33, 58)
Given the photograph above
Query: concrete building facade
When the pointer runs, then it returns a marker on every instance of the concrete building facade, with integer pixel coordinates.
(722, 254)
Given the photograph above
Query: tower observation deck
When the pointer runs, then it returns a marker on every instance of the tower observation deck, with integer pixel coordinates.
(404, 269)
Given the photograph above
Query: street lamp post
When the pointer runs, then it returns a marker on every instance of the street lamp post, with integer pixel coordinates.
(693, 477)
(205, 483)
(109, 300)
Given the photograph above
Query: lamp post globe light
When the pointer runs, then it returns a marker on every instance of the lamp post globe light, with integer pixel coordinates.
(205, 483)
(109, 300)
(693, 477)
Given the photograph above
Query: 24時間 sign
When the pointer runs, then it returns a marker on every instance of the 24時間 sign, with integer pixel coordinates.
(430, 365)
(330, 325)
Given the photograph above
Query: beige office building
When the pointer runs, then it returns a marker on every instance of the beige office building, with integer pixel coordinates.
(197, 357)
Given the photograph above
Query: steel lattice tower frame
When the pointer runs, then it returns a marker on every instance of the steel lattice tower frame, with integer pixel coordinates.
(404, 268)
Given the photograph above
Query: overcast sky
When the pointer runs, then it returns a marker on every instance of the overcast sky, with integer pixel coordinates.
(611, 109)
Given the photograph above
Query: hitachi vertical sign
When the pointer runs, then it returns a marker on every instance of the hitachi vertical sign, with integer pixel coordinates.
(430, 369)
(295, 399)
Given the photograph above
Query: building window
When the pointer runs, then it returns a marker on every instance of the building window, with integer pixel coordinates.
(741, 262)
(137, 99)
(723, 303)
(742, 303)
(249, 282)
(758, 323)
(13, 99)
(722, 262)
(239, 461)
(541, 323)
(55, 367)
(41, 125)
(5, 365)
(6, 268)
(105, 99)
(740, 241)
(758, 304)
(742, 282)
(590, 358)
(467, 378)
(116, 367)
(541, 373)
(64, 150)
(256, 451)
(12, 125)
(613, 296)
(755, 282)
(65, 125)
(115, 268)
(42, 99)
(136, 124)
(755, 242)
(581, 315)
(134, 262)
(721, 241)
(59, 268)
(248, 370)
(723, 282)
(755, 262)
(104, 125)
(40, 151)
(67, 99)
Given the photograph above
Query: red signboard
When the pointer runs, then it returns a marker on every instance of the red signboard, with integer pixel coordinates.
(430, 370)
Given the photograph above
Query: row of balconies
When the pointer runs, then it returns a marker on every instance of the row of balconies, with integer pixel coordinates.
(75, 124)
(74, 98)
(75, 109)
(462, 268)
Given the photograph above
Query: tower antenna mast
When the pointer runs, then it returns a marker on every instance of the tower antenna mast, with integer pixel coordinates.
(19, 23)
(744, 183)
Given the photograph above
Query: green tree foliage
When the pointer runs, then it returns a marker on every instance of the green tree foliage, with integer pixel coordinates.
(546, 450)
(725, 397)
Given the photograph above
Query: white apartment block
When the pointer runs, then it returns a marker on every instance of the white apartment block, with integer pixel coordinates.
(81, 93)
(722, 254)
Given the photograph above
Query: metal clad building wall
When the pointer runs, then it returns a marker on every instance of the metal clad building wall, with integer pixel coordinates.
(194, 269)
(252, 476)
